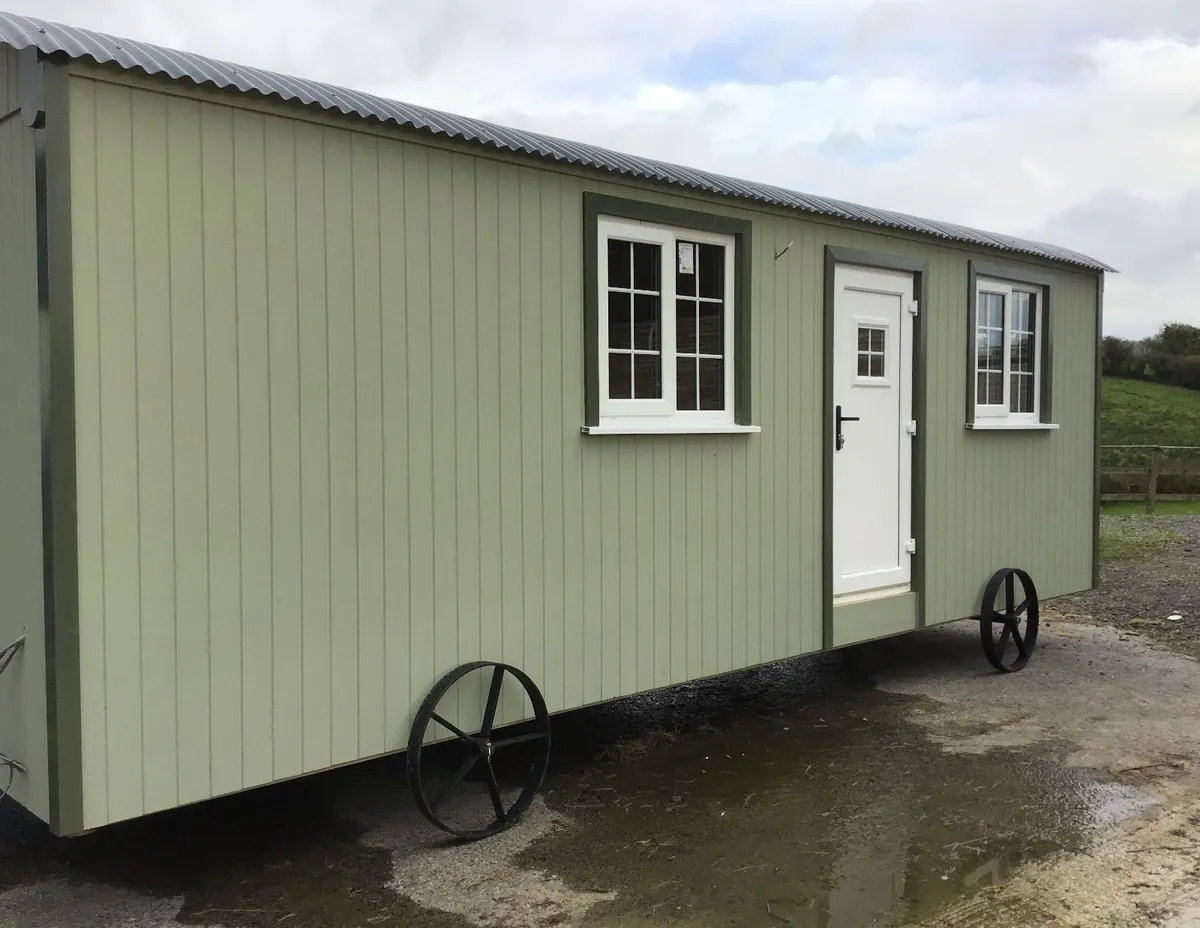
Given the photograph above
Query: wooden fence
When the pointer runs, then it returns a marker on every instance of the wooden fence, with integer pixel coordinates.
(1131, 466)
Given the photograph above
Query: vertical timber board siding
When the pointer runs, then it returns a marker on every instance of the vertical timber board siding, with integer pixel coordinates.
(329, 399)
(23, 732)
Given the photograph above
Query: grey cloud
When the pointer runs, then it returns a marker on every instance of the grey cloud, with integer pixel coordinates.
(1142, 238)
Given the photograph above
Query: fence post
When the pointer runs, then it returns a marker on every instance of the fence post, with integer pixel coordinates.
(1152, 486)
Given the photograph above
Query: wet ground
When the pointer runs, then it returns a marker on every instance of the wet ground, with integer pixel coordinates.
(1141, 590)
(896, 783)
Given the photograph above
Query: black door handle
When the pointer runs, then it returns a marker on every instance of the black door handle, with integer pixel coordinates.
(838, 418)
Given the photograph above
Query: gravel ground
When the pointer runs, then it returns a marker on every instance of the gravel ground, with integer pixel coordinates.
(1139, 593)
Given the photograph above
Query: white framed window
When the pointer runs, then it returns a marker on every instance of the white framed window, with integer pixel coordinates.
(871, 353)
(1008, 333)
(666, 328)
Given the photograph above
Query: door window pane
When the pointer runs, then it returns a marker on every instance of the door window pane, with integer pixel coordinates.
(872, 344)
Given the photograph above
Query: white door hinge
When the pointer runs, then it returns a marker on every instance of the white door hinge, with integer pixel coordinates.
(914, 307)
(911, 546)
(911, 428)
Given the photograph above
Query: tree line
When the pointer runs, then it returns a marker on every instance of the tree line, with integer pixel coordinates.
(1171, 357)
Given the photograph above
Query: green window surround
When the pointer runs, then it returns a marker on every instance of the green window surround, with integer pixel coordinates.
(667, 319)
(1008, 347)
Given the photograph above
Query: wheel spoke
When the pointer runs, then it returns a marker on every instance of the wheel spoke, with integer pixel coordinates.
(1016, 633)
(494, 790)
(455, 780)
(1009, 595)
(519, 739)
(1003, 640)
(1020, 610)
(453, 729)
(489, 714)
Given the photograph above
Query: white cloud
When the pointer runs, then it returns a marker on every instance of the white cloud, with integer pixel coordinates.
(1075, 121)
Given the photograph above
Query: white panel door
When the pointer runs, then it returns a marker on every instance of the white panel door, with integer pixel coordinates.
(872, 456)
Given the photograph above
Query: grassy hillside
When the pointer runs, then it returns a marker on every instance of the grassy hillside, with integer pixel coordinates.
(1137, 413)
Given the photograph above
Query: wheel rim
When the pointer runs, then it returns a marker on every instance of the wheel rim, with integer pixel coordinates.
(1008, 621)
(475, 780)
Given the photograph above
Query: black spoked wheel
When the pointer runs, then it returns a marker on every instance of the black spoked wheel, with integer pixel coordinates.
(467, 777)
(1008, 625)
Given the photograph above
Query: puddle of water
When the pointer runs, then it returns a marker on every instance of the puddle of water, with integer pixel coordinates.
(796, 786)
(806, 790)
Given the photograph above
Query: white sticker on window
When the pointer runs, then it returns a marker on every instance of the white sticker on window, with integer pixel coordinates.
(687, 258)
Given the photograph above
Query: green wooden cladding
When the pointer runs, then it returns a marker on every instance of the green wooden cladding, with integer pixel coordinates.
(329, 390)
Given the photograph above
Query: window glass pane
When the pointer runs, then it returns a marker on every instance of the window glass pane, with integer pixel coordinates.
(685, 326)
(991, 349)
(712, 383)
(620, 377)
(646, 324)
(995, 389)
(864, 338)
(711, 336)
(685, 383)
(711, 270)
(618, 320)
(995, 308)
(1022, 353)
(647, 266)
(647, 376)
(877, 340)
(981, 388)
(1020, 311)
(864, 365)
(1021, 395)
(685, 283)
(876, 365)
(618, 263)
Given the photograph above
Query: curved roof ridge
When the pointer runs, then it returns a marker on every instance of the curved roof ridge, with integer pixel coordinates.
(52, 38)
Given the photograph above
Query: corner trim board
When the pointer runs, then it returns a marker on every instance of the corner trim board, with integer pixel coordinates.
(1096, 431)
(60, 528)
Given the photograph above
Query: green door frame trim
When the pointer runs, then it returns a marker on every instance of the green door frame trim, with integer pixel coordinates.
(1017, 274)
(919, 268)
(60, 548)
(596, 205)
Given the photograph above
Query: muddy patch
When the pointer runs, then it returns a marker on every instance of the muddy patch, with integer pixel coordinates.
(830, 813)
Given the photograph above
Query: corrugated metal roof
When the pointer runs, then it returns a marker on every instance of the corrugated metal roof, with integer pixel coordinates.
(51, 38)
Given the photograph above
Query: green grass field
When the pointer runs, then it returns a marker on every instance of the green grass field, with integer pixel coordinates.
(1136, 413)
(1164, 507)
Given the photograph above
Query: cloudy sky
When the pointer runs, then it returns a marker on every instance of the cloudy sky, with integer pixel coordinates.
(1072, 121)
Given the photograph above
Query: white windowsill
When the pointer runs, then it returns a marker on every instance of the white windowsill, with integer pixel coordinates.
(669, 429)
(1001, 425)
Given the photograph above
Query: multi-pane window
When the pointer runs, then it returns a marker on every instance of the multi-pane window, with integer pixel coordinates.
(872, 341)
(1007, 351)
(666, 328)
